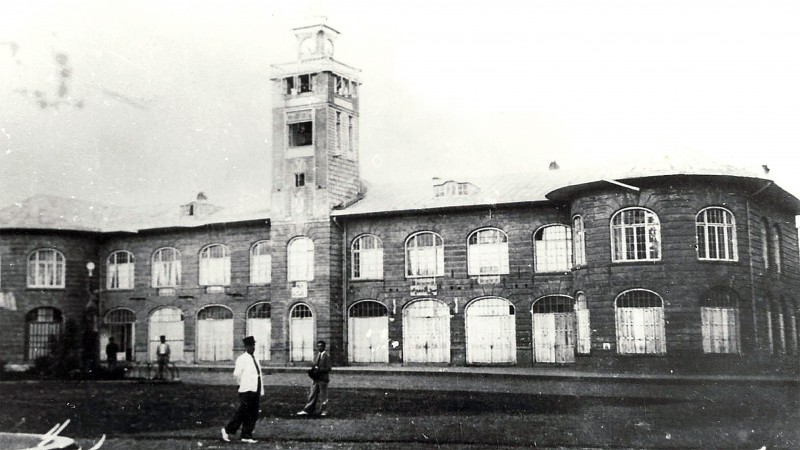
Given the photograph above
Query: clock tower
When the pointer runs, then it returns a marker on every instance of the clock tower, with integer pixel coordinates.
(315, 130)
(314, 169)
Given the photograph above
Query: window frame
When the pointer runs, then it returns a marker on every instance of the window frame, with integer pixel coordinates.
(491, 250)
(113, 271)
(728, 229)
(174, 265)
(647, 227)
(259, 274)
(357, 258)
(438, 254)
(292, 267)
(716, 299)
(58, 265)
(562, 264)
(206, 275)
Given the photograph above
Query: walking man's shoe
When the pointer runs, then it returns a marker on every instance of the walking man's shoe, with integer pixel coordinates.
(225, 436)
(324, 413)
(302, 413)
(249, 440)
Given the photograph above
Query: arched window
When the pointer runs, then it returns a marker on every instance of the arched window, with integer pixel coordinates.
(119, 323)
(301, 259)
(368, 308)
(424, 255)
(719, 317)
(487, 252)
(166, 268)
(367, 258)
(260, 311)
(44, 330)
(635, 235)
(215, 265)
(120, 269)
(716, 235)
(260, 263)
(552, 248)
(46, 269)
(579, 241)
(640, 323)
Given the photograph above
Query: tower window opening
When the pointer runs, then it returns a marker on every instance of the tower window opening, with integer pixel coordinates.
(300, 134)
(289, 83)
(306, 83)
(299, 179)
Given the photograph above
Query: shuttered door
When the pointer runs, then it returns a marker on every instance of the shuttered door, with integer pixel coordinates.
(369, 339)
(720, 330)
(544, 338)
(261, 330)
(426, 331)
(491, 332)
(167, 322)
(302, 338)
(554, 337)
(640, 330)
(215, 340)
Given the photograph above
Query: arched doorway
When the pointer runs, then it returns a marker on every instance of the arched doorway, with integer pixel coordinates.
(426, 332)
(167, 322)
(368, 333)
(214, 334)
(44, 329)
(120, 324)
(553, 329)
(301, 333)
(491, 331)
(259, 325)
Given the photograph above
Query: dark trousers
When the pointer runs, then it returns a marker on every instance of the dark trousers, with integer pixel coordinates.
(246, 415)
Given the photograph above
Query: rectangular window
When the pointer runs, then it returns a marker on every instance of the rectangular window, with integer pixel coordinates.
(350, 144)
(300, 134)
(338, 136)
(299, 179)
(306, 83)
(289, 84)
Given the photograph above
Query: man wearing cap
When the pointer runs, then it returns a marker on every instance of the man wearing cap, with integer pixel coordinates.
(248, 375)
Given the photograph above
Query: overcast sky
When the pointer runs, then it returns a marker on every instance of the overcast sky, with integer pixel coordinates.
(136, 102)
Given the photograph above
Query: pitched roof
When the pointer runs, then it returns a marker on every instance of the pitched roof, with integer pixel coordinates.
(60, 213)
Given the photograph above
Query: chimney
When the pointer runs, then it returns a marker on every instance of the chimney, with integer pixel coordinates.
(553, 165)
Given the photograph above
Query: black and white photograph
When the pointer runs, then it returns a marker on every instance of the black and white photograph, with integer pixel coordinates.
(352, 224)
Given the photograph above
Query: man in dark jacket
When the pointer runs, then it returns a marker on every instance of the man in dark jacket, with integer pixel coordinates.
(318, 396)
(111, 353)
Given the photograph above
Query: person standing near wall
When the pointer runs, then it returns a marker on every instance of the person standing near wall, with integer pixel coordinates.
(162, 356)
(111, 353)
(248, 374)
(318, 395)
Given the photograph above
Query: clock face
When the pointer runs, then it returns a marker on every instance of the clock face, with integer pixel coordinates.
(307, 46)
(328, 47)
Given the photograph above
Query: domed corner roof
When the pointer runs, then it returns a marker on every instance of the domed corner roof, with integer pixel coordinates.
(622, 173)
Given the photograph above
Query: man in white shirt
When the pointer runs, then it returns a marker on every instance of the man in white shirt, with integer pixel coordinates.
(162, 355)
(248, 375)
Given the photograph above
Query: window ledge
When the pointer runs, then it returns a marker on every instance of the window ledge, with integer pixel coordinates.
(45, 288)
(652, 262)
(724, 262)
(366, 279)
